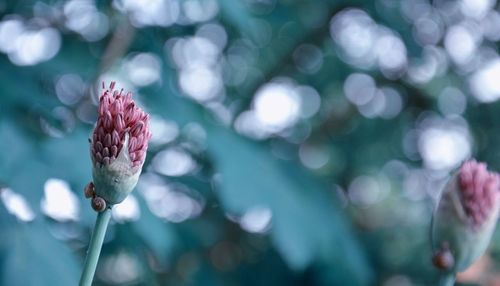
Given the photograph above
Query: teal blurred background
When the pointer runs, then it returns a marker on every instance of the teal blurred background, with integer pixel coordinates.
(294, 142)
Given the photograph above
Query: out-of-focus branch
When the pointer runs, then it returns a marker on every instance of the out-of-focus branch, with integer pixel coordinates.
(117, 47)
(118, 44)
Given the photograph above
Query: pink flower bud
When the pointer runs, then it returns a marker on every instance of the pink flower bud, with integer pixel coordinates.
(466, 214)
(119, 144)
(116, 119)
(479, 192)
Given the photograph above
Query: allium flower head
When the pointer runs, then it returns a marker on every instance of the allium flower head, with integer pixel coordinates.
(118, 116)
(119, 144)
(466, 214)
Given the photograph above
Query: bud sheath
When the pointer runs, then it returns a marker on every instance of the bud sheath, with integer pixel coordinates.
(466, 214)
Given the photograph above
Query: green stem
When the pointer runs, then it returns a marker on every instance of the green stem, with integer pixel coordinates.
(95, 246)
(447, 279)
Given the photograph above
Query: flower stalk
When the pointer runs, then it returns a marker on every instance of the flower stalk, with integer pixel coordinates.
(117, 149)
(447, 279)
(95, 246)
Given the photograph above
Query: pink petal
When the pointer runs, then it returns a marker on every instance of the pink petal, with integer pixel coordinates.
(107, 140)
(105, 152)
(114, 151)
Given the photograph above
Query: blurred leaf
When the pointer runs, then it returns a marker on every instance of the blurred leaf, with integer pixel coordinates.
(28, 256)
(157, 234)
(237, 15)
(304, 223)
(15, 149)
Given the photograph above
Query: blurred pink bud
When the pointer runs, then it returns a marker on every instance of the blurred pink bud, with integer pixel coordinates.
(479, 191)
(466, 215)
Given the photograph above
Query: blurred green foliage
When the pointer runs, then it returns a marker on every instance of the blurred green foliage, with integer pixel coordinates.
(342, 196)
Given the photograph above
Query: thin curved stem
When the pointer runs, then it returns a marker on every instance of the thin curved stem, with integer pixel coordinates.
(95, 246)
(447, 279)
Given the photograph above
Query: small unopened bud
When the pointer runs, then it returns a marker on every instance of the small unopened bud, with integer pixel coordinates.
(466, 215)
(89, 190)
(118, 145)
(98, 204)
(443, 259)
